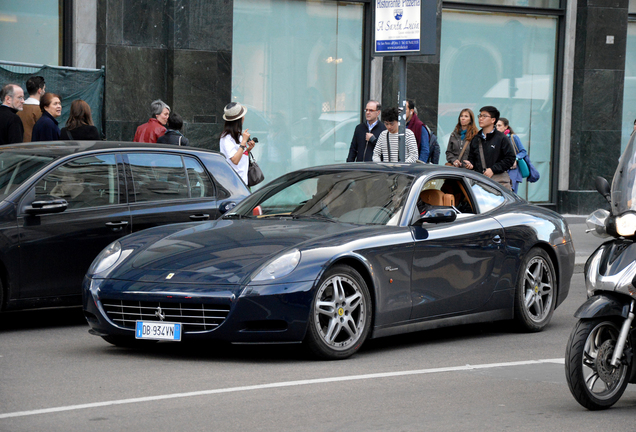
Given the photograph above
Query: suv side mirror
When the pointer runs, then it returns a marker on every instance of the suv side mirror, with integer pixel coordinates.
(46, 206)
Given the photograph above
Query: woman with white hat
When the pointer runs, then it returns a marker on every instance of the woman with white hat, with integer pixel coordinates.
(235, 143)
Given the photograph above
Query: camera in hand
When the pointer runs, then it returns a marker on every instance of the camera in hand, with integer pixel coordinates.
(254, 139)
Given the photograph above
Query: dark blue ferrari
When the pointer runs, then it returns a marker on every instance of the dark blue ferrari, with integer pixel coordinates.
(334, 255)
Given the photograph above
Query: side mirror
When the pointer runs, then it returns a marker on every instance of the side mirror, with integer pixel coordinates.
(226, 206)
(603, 187)
(46, 206)
(437, 215)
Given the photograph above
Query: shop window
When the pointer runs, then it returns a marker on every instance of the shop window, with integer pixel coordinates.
(507, 61)
(30, 30)
(629, 93)
(297, 66)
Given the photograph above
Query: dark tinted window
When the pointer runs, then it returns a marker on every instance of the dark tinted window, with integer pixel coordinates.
(200, 184)
(16, 168)
(158, 177)
(88, 181)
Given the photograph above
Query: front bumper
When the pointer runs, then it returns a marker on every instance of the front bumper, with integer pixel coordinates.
(262, 314)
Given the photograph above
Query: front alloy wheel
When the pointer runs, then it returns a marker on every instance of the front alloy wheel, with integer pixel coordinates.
(340, 315)
(535, 296)
(593, 381)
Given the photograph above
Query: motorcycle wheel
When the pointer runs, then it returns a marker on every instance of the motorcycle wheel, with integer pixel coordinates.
(593, 382)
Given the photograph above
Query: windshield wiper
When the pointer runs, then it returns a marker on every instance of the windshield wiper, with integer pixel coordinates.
(315, 216)
(236, 216)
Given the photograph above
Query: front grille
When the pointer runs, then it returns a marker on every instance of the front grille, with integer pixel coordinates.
(194, 317)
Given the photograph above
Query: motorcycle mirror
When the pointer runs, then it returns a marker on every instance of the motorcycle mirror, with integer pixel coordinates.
(603, 187)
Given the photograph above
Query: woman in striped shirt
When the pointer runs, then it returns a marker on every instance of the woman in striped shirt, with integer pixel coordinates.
(386, 148)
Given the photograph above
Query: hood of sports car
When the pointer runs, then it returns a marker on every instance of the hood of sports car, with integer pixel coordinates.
(220, 252)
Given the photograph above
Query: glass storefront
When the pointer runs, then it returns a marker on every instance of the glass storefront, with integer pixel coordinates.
(629, 93)
(297, 66)
(40, 20)
(507, 61)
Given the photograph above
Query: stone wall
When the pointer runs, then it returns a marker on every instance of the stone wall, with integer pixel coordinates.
(179, 51)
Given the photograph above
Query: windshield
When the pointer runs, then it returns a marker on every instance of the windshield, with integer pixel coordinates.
(16, 168)
(623, 192)
(359, 197)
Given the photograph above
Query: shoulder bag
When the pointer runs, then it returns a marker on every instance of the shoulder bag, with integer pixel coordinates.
(503, 178)
(521, 163)
(254, 173)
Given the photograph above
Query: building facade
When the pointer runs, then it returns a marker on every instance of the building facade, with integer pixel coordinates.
(563, 72)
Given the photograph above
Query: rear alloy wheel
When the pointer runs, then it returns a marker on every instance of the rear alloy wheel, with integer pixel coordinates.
(536, 289)
(340, 315)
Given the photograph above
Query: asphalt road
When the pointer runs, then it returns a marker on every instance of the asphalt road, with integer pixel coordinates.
(54, 376)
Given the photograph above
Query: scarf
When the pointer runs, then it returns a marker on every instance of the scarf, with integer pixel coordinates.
(463, 134)
(415, 124)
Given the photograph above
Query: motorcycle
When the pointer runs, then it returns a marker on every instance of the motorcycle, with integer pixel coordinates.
(599, 359)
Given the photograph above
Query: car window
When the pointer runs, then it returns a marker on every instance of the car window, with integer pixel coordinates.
(158, 177)
(16, 168)
(487, 197)
(358, 197)
(200, 184)
(88, 181)
(444, 192)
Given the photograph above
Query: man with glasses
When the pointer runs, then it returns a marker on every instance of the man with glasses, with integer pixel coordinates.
(11, 129)
(366, 134)
(490, 151)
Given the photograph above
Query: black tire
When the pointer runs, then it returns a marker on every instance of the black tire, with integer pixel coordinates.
(339, 323)
(128, 342)
(535, 296)
(592, 380)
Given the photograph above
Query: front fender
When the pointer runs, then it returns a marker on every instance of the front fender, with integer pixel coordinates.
(604, 305)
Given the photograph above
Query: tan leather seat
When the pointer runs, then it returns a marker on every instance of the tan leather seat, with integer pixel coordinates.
(433, 197)
(436, 197)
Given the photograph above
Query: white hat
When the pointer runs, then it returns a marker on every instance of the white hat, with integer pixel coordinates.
(234, 111)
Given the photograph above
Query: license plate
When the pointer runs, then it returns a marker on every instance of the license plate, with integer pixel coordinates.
(156, 330)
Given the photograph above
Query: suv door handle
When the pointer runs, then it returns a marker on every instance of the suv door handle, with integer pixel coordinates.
(200, 217)
(117, 224)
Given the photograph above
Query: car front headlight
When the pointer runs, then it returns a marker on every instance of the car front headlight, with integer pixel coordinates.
(281, 266)
(626, 224)
(108, 257)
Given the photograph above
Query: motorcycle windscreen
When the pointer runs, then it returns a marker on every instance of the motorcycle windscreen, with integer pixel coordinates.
(623, 190)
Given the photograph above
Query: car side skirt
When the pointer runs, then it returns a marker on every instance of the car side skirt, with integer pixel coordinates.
(431, 324)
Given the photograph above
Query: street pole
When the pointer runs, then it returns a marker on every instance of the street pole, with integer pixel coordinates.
(402, 109)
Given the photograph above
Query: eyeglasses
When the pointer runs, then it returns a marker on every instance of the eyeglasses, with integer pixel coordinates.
(368, 110)
(18, 97)
(483, 116)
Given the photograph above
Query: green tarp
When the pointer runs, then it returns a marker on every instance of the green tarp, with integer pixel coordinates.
(69, 83)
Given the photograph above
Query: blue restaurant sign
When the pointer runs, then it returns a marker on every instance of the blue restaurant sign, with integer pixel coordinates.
(405, 27)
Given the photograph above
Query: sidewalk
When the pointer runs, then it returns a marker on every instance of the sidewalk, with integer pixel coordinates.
(584, 243)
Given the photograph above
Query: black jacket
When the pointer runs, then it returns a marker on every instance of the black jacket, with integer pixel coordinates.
(172, 137)
(45, 129)
(498, 152)
(11, 128)
(361, 150)
(81, 133)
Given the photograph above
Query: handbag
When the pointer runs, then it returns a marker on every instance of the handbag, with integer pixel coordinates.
(521, 163)
(254, 173)
(502, 178)
(534, 174)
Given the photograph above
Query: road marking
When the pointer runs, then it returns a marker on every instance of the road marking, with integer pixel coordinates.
(278, 385)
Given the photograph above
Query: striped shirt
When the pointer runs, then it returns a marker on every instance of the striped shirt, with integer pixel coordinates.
(381, 153)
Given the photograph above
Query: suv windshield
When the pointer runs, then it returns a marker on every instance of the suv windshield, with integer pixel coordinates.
(358, 197)
(16, 168)
(623, 191)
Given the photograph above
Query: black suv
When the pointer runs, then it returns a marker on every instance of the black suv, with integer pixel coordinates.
(62, 203)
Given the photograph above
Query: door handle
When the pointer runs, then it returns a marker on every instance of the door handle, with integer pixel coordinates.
(496, 239)
(117, 224)
(200, 217)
